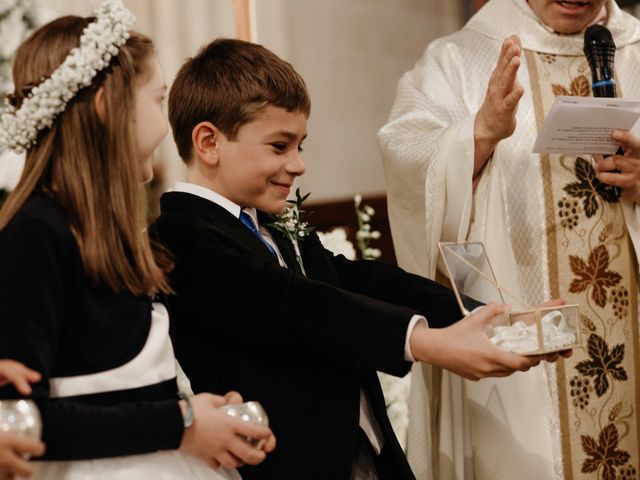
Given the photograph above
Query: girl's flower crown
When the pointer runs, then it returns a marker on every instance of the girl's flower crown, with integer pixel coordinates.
(100, 42)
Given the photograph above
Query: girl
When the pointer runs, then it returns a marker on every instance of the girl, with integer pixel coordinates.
(80, 288)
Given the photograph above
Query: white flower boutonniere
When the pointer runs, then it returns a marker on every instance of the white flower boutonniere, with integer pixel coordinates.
(292, 223)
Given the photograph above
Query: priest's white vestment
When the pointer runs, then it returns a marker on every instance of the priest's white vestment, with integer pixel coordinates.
(550, 230)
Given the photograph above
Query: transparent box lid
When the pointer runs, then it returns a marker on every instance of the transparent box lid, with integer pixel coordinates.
(528, 331)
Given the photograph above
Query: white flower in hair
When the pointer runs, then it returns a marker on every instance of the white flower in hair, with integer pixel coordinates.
(100, 42)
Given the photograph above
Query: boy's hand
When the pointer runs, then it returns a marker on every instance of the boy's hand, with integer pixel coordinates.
(17, 374)
(465, 349)
(13, 449)
(216, 438)
(556, 302)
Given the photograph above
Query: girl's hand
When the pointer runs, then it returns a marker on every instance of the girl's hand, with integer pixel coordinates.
(13, 450)
(17, 374)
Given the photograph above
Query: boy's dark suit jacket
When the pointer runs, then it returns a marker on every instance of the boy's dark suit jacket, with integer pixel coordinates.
(303, 347)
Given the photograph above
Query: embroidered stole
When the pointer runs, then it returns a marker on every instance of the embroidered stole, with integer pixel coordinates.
(591, 262)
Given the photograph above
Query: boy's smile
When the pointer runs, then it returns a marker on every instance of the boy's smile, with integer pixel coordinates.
(258, 168)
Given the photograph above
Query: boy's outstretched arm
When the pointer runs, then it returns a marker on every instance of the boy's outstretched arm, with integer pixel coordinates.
(465, 349)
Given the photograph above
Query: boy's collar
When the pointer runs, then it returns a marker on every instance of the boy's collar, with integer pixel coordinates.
(208, 194)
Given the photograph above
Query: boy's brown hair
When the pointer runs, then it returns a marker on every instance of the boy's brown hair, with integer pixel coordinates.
(228, 83)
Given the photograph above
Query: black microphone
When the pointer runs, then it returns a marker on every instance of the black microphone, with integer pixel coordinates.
(600, 50)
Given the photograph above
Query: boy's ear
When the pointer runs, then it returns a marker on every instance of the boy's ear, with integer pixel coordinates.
(205, 138)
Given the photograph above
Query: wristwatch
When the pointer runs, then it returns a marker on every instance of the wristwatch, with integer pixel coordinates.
(187, 416)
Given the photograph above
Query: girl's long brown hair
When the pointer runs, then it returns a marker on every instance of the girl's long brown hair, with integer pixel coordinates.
(88, 161)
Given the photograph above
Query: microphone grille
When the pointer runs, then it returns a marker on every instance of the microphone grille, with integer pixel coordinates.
(598, 34)
(599, 48)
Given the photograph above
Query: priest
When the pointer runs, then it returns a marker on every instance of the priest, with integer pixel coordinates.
(459, 166)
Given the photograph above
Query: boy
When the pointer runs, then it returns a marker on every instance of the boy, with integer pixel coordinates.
(246, 318)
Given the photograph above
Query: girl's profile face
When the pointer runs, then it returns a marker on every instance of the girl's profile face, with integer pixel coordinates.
(150, 122)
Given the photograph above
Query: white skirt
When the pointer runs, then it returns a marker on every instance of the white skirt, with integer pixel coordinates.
(164, 465)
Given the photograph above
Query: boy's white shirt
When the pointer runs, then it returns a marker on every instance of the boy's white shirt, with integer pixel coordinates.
(367, 420)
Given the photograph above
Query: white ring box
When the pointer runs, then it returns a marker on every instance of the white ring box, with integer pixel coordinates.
(524, 330)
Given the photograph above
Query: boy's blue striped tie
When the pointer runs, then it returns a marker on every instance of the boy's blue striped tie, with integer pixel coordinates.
(246, 219)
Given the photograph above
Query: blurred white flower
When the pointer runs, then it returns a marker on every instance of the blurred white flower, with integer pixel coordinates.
(396, 395)
(336, 241)
(396, 390)
(292, 224)
(11, 165)
(6, 5)
(12, 31)
(17, 19)
(372, 253)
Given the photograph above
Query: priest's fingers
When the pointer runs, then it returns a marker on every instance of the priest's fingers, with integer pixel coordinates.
(507, 77)
(502, 57)
(513, 90)
(511, 47)
(517, 41)
(498, 80)
(603, 164)
(496, 118)
(511, 64)
(627, 176)
(627, 140)
(620, 163)
(622, 180)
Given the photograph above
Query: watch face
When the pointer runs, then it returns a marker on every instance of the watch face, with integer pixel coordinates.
(187, 421)
(187, 416)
